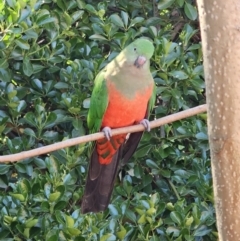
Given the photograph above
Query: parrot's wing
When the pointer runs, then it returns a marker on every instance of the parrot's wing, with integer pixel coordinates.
(98, 103)
(152, 101)
(96, 196)
(131, 144)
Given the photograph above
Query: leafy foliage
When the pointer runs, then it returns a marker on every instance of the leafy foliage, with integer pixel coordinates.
(50, 53)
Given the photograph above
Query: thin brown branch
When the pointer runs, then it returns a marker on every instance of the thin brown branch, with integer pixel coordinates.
(99, 135)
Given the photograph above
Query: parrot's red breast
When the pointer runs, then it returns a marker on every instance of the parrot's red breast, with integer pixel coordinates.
(121, 111)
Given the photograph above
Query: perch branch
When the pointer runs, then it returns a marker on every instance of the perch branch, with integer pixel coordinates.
(99, 135)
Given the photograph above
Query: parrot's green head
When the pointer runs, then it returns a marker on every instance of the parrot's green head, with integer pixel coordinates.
(139, 52)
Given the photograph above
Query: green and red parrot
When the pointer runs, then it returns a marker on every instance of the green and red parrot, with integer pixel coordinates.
(123, 95)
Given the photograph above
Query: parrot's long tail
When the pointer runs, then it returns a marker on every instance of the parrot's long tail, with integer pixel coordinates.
(99, 183)
(101, 177)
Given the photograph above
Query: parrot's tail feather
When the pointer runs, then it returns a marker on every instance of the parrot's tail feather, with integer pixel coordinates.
(100, 183)
(130, 146)
(101, 176)
(107, 149)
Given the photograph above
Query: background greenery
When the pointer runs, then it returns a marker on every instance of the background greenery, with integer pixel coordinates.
(50, 52)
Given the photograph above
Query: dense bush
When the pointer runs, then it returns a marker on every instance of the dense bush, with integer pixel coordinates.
(50, 53)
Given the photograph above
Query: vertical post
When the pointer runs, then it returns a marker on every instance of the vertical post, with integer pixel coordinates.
(220, 31)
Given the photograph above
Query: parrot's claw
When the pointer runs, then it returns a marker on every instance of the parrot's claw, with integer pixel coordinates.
(107, 132)
(146, 124)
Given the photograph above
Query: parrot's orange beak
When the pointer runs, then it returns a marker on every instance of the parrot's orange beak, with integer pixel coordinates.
(140, 61)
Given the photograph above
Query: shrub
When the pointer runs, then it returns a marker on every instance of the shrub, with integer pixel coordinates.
(50, 54)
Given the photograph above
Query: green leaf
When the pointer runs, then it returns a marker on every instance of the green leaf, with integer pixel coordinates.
(50, 121)
(60, 216)
(190, 11)
(179, 74)
(52, 165)
(131, 215)
(27, 66)
(37, 84)
(60, 205)
(86, 103)
(12, 94)
(4, 168)
(176, 217)
(21, 167)
(29, 132)
(61, 4)
(61, 85)
(125, 17)
(151, 211)
(67, 18)
(53, 197)
(174, 231)
(69, 221)
(97, 37)
(117, 20)
(77, 15)
(153, 30)
(22, 44)
(113, 210)
(50, 135)
(122, 233)
(108, 237)
(3, 63)
(40, 163)
(136, 20)
(42, 14)
(69, 179)
(30, 119)
(152, 164)
(180, 2)
(202, 231)
(202, 136)
(90, 8)
(73, 231)
(56, 59)
(3, 181)
(18, 196)
(30, 33)
(165, 173)
(147, 179)
(21, 106)
(165, 4)
(46, 20)
(24, 14)
(30, 222)
(193, 47)
(4, 234)
(142, 219)
(189, 221)
(47, 189)
(52, 235)
(45, 206)
(24, 186)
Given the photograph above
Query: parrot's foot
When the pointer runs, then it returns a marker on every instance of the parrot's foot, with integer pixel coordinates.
(146, 124)
(107, 132)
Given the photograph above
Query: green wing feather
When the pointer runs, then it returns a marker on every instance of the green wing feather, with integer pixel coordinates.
(98, 103)
(151, 102)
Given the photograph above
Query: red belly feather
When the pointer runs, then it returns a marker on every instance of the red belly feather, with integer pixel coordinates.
(121, 111)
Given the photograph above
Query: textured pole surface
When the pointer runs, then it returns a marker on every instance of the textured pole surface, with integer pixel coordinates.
(220, 30)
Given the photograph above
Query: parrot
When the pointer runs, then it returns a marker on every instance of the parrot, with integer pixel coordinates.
(123, 95)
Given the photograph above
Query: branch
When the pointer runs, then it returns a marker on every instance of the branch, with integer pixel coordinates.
(99, 135)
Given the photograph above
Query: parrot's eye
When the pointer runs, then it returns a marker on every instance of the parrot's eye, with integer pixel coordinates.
(135, 49)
